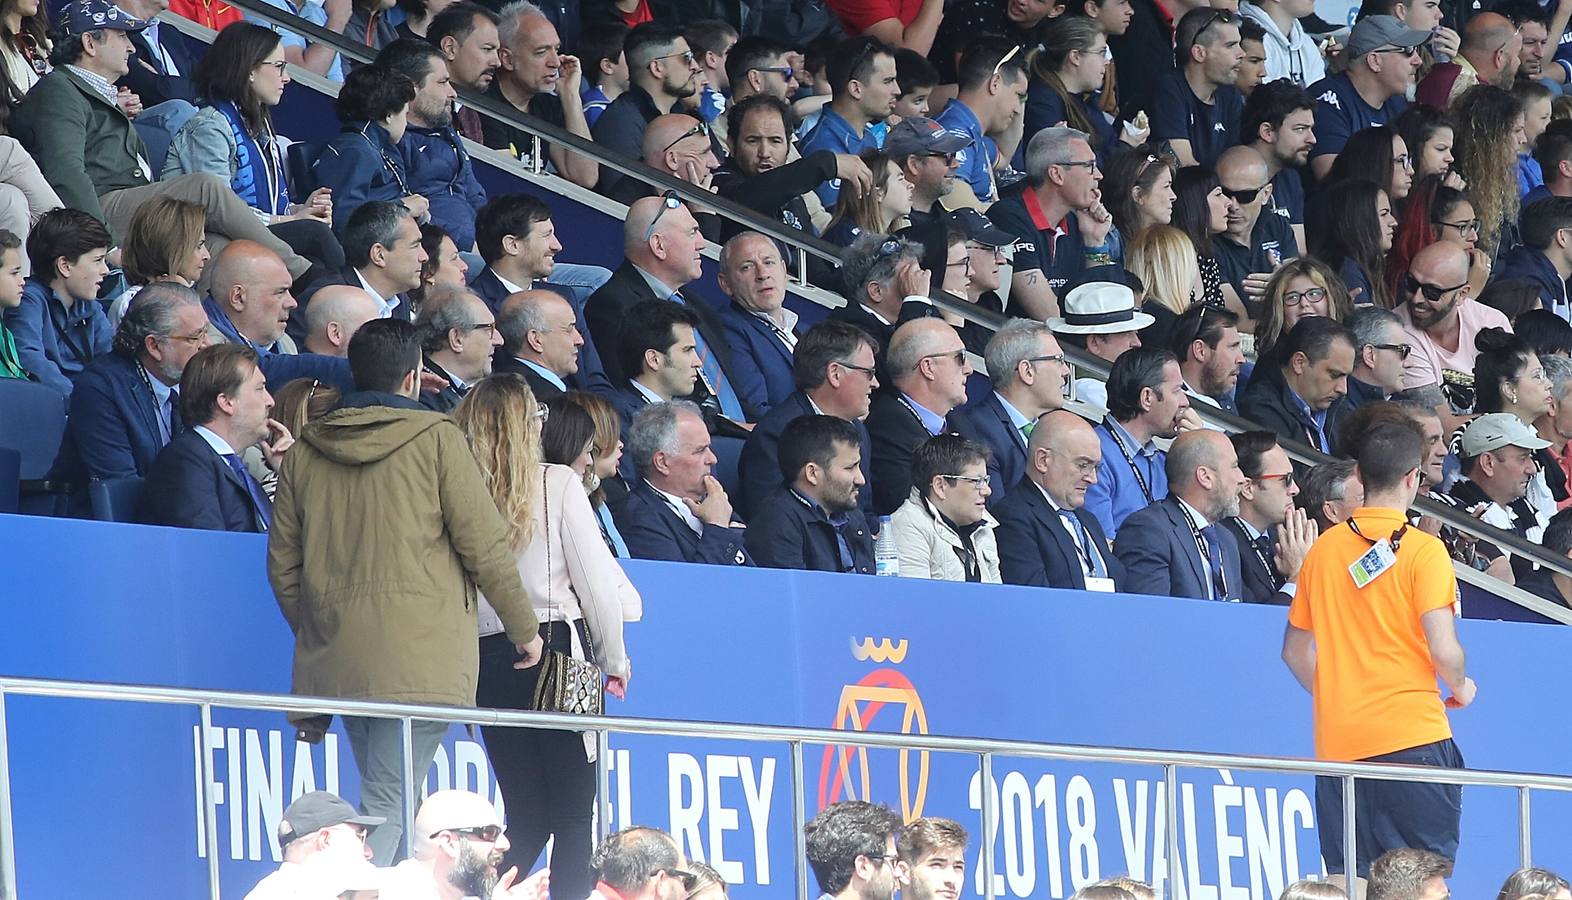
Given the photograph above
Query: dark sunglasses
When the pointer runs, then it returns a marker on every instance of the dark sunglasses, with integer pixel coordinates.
(785, 72)
(1432, 292)
(1218, 15)
(688, 879)
(487, 833)
(1402, 350)
(702, 128)
(670, 200)
(1244, 197)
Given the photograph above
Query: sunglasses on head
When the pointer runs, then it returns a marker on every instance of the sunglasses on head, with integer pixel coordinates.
(1432, 292)
(702, 128)
(669, 200)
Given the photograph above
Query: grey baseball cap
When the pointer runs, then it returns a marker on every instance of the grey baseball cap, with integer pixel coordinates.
(317, 810)
(1374, 32)
(1496, 430)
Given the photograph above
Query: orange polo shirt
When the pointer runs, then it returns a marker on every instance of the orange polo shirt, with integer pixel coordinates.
(1375, 687)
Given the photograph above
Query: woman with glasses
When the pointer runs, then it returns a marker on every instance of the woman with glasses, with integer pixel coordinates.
(944, 531)
(1509, 378)
(1435, 212)
(1138, 188)
(1490, 127)
(878, 211)
(1067, 71)
(241, 79)
(1350, 227)
(547, 778)
(164, 242)
(1378, 155)
(1301, 287)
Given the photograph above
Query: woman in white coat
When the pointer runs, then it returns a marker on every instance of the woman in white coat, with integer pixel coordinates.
(944, 530)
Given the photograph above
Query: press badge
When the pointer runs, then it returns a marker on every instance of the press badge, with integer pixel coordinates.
(1099, 585)
(1373, 564)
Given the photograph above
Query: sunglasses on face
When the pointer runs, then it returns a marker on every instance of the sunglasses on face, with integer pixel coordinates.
(687, 56)
(1402, 350)
(785, 72)
(1244, 197)
(1432, 292)
(1404, 51)
(487, 833)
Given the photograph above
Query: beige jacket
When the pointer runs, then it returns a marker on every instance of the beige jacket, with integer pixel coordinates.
(927, 545)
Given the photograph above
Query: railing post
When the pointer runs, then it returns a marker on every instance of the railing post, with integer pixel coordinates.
(1525, 837)
(1171, 822)
(989, 817)
(535, 164)
(209, 802)
(407, 754)
(1350, 841)
(602, 784)
(7, 827)
(799, 821)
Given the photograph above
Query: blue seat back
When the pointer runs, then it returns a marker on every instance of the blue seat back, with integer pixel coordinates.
(32, 422)
(115, 499)
(10, 480)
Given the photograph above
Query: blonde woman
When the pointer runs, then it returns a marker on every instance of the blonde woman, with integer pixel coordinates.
(166, 241)
(1300, 287)
(879, 211)
(1164, 258)
(547, 778)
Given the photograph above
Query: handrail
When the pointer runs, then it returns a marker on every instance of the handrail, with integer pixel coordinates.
(993, 321)
(546, 131)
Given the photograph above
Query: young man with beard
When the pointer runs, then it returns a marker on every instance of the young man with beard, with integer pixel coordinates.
(661, 71)
(863, 89)
(1279, 123)
(851, 848)
(812, 522)
(537, 79)
(1440, 320)
(466, 33)
(1210, 352)
(933, 858)
(458, 844)
(1272, 535)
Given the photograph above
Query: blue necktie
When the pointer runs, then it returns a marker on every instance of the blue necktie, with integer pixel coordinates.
(259, 501)
(1214, 557)
(1263, 546)
(1094, 559)
(619, 547)
(714, 378)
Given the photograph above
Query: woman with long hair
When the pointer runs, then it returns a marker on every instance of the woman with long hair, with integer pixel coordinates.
(1509, 378)
(1427, 133)
(1300, 287)
(1066, 82)
(601, 478)
(24, 49)
(164, 242)
(1351, 229)
(1163, 257)
(1201, 211)
(547, 778)
(1435, 212)
(1378, 155)
(1489, 123)
(876, 211)
(444, 266)
(1138, 189)
(241, 79)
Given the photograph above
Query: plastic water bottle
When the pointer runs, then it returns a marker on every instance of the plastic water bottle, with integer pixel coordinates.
(886, 560)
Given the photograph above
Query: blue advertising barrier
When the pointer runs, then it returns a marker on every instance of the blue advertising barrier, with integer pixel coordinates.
(131, 604)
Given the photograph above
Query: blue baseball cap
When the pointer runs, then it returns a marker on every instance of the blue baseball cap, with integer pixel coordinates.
(82, 16)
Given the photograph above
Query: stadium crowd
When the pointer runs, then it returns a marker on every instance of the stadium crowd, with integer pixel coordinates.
(1329, 231)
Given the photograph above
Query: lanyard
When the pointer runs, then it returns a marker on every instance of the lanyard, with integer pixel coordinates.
(1256, 549)
(1221, 575)
(165, 425)
(388, 163)
(1396, 538)
(1124, 451)
(1082, 539)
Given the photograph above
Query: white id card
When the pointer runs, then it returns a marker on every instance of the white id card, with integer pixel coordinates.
(1100, 585)
(1373, 564)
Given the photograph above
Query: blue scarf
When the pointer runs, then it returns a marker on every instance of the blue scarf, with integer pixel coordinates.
(251, 180)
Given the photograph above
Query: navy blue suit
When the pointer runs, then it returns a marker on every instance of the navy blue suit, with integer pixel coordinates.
(1159, 554)
(190, 486)
(759, 469)
(1036, 548)
(789, 534)
(281, 368)
(653, 530)
(987, 423)
(627, 401)
(1260, 578)
(149, 76)
(591, 375)
(114, 429)
(761, 365)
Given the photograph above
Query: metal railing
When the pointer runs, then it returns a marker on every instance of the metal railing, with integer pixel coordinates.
(986, 750)
(807, 244)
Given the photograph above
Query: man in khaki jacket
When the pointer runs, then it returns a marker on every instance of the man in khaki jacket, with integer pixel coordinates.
(382, 532)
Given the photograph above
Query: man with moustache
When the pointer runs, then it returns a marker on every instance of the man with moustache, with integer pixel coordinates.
(1175, 547)
(662, 71)
(1279, 123)
(1382, 54)
(933, 858)
(1441, 320)
(1253, 245)
(851, 849)
(1269, 563)
(539, 80)
(1146, 401)
(1498, 463)
(1206, 341)
(812, 522)
(466, 33)
(926, 153)
(1045, 536)
(1298, 400)
(457, 846)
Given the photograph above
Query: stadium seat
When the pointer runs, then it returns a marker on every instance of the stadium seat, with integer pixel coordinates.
(32, 422)
(10, 481)
(300, 157)
(115, 499)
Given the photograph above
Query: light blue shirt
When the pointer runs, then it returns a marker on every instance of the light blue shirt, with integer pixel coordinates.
(219, 445)
(1016, 418)
(545, 373)
(929, 419)
(1117, 493)
(161, 392)
(312, 11)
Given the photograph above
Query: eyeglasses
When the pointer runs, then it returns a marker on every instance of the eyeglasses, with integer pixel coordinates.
(1404, 161)
(688, 879)
(1536, 375)
(489, 327)
(785, 72)
(1304, 298)
(1244, 197)
(669, 200)
(1286, 477)
(866, 370)
(981, 481)
(487, 833)
(1405, 51)
(276, 64)
(195, 339)
(702, 128)
(1090, 164)
(1402, 349)
(1471, 226)
(958, 355)
(1057, 358)
(687, 56)
(1432, 292)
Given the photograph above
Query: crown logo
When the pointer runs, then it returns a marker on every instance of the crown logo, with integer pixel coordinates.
(866, 649)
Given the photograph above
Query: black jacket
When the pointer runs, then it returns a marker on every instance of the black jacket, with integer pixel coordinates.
(1269, 402)
(191, 486)
(604, 309)
(502, 363)
(788, 533)
(404, 308)
(1036, 549)
(896, 433)
(778, 195)
(149, 76)
(1143, 55)
(759, 469)
(1262, 582)
(653, 530)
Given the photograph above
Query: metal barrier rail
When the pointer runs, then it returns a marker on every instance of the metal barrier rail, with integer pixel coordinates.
(794, 737)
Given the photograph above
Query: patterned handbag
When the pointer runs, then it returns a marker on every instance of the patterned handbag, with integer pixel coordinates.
(566, 683)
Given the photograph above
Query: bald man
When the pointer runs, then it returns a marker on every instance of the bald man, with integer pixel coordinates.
(1440, 321)
(336, 312)
(250, 302)
(1046, 537)
(928, 369)
(540, 341)
(1490, 53)
(1175, 547)
(451, 854)
(1253, 245)
(678, 145)
(663, 251)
